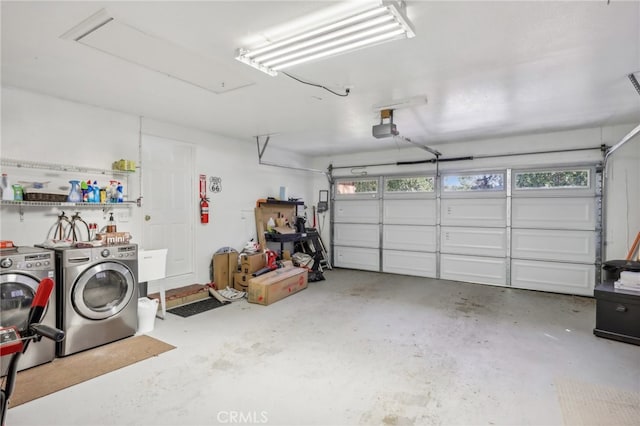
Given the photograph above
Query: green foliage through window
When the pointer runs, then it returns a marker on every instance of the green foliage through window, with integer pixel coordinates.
(357, 187)
(409, 184)
(485, 182)
(552, 179)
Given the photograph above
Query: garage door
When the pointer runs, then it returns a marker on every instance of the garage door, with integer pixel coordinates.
(409, 239)
(554, 229)
(356, 224)
(527, 228)
(473, 232)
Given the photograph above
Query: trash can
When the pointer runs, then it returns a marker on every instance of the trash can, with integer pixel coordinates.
(147, 309)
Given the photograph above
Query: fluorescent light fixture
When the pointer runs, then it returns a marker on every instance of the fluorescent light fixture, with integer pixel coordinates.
(382, 23)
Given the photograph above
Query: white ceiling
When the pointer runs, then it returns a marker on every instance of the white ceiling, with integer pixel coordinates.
(488, 69)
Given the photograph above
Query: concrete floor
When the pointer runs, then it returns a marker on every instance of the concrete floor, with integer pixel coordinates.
(359, 348)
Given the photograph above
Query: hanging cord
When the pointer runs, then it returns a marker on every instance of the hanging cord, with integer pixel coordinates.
(345, 94)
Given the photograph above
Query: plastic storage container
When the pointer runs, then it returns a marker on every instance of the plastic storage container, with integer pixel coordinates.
(147, 309)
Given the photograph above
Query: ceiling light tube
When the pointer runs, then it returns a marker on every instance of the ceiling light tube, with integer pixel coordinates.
(321, 30)
(373, 26)
(353, 37)
(325, 37)
(352, 46)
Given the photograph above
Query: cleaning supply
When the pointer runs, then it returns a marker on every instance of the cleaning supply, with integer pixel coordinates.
(113, 191)
(18, 194)
(96, 192)
(120, 193)
(75, 194)
(85, 193)
(7, 190)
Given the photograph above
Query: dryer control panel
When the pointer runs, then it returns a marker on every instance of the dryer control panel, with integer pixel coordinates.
(118, 252)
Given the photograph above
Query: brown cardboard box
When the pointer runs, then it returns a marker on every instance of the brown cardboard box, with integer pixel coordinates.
(224, 266)
(241, 281)
(252, 263)
(275, 285)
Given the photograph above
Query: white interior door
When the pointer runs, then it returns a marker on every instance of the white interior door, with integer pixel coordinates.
(168, 199)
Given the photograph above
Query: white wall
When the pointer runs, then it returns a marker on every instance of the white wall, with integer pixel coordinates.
(36, 127)
(623, 220)
(231, 212)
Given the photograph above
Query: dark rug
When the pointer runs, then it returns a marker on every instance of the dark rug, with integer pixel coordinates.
(197, 307)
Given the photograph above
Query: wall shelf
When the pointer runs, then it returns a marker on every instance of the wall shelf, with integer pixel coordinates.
(65, 168)
(66, 204)
(61, 167)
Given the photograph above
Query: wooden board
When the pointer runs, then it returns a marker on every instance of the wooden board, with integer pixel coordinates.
(266, 211)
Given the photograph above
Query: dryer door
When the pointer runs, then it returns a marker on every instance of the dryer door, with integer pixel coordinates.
(16, 295)
(103, 290)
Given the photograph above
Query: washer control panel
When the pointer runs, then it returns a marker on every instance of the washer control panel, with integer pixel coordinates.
(35, 262)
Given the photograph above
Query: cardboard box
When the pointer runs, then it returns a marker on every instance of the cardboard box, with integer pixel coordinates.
(241, 281)
(275, 285)
(252, 263)
(224, 266)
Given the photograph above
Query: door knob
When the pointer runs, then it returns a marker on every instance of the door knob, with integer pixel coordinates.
(147, 217)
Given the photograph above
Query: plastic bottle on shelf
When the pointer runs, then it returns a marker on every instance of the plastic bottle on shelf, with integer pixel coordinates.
(113, 191)
(75, 194)
(85, 191)
(120, 192)
(7, 190)
(96, 192)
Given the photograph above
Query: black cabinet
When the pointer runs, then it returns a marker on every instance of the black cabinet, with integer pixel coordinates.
(617, 313)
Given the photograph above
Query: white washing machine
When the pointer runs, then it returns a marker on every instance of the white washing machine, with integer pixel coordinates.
(97, 295)
(21, 269)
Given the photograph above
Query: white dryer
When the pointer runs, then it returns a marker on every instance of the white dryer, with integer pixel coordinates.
(21, 269)
(97, 295)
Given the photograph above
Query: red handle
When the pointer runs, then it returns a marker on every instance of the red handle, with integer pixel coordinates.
(40, 300)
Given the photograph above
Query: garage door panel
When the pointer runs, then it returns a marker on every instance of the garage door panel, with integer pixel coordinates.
(554, 245)
(554, 213)
(474, 212)
(356, 258)
(409, 263)
(474, 241)
(483, 270)
(409, 212)
(553, 276)
(361, 211)
(408, 237)
(359, 235)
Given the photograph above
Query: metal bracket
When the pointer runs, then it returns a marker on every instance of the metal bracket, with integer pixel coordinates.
(265, 163)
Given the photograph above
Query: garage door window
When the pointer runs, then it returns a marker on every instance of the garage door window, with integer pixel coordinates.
(360, 186)
(409, 184)
(474, 182)
(553, 179)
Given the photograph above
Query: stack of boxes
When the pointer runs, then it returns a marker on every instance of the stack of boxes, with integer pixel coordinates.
(264, 289)
(248, 265)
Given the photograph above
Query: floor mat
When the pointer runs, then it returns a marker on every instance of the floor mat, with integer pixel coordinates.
(589, 404)
(61, 373)
(197, 307)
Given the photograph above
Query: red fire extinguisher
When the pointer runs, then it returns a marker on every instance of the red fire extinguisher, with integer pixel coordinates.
(204, 210)
(204, 201)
